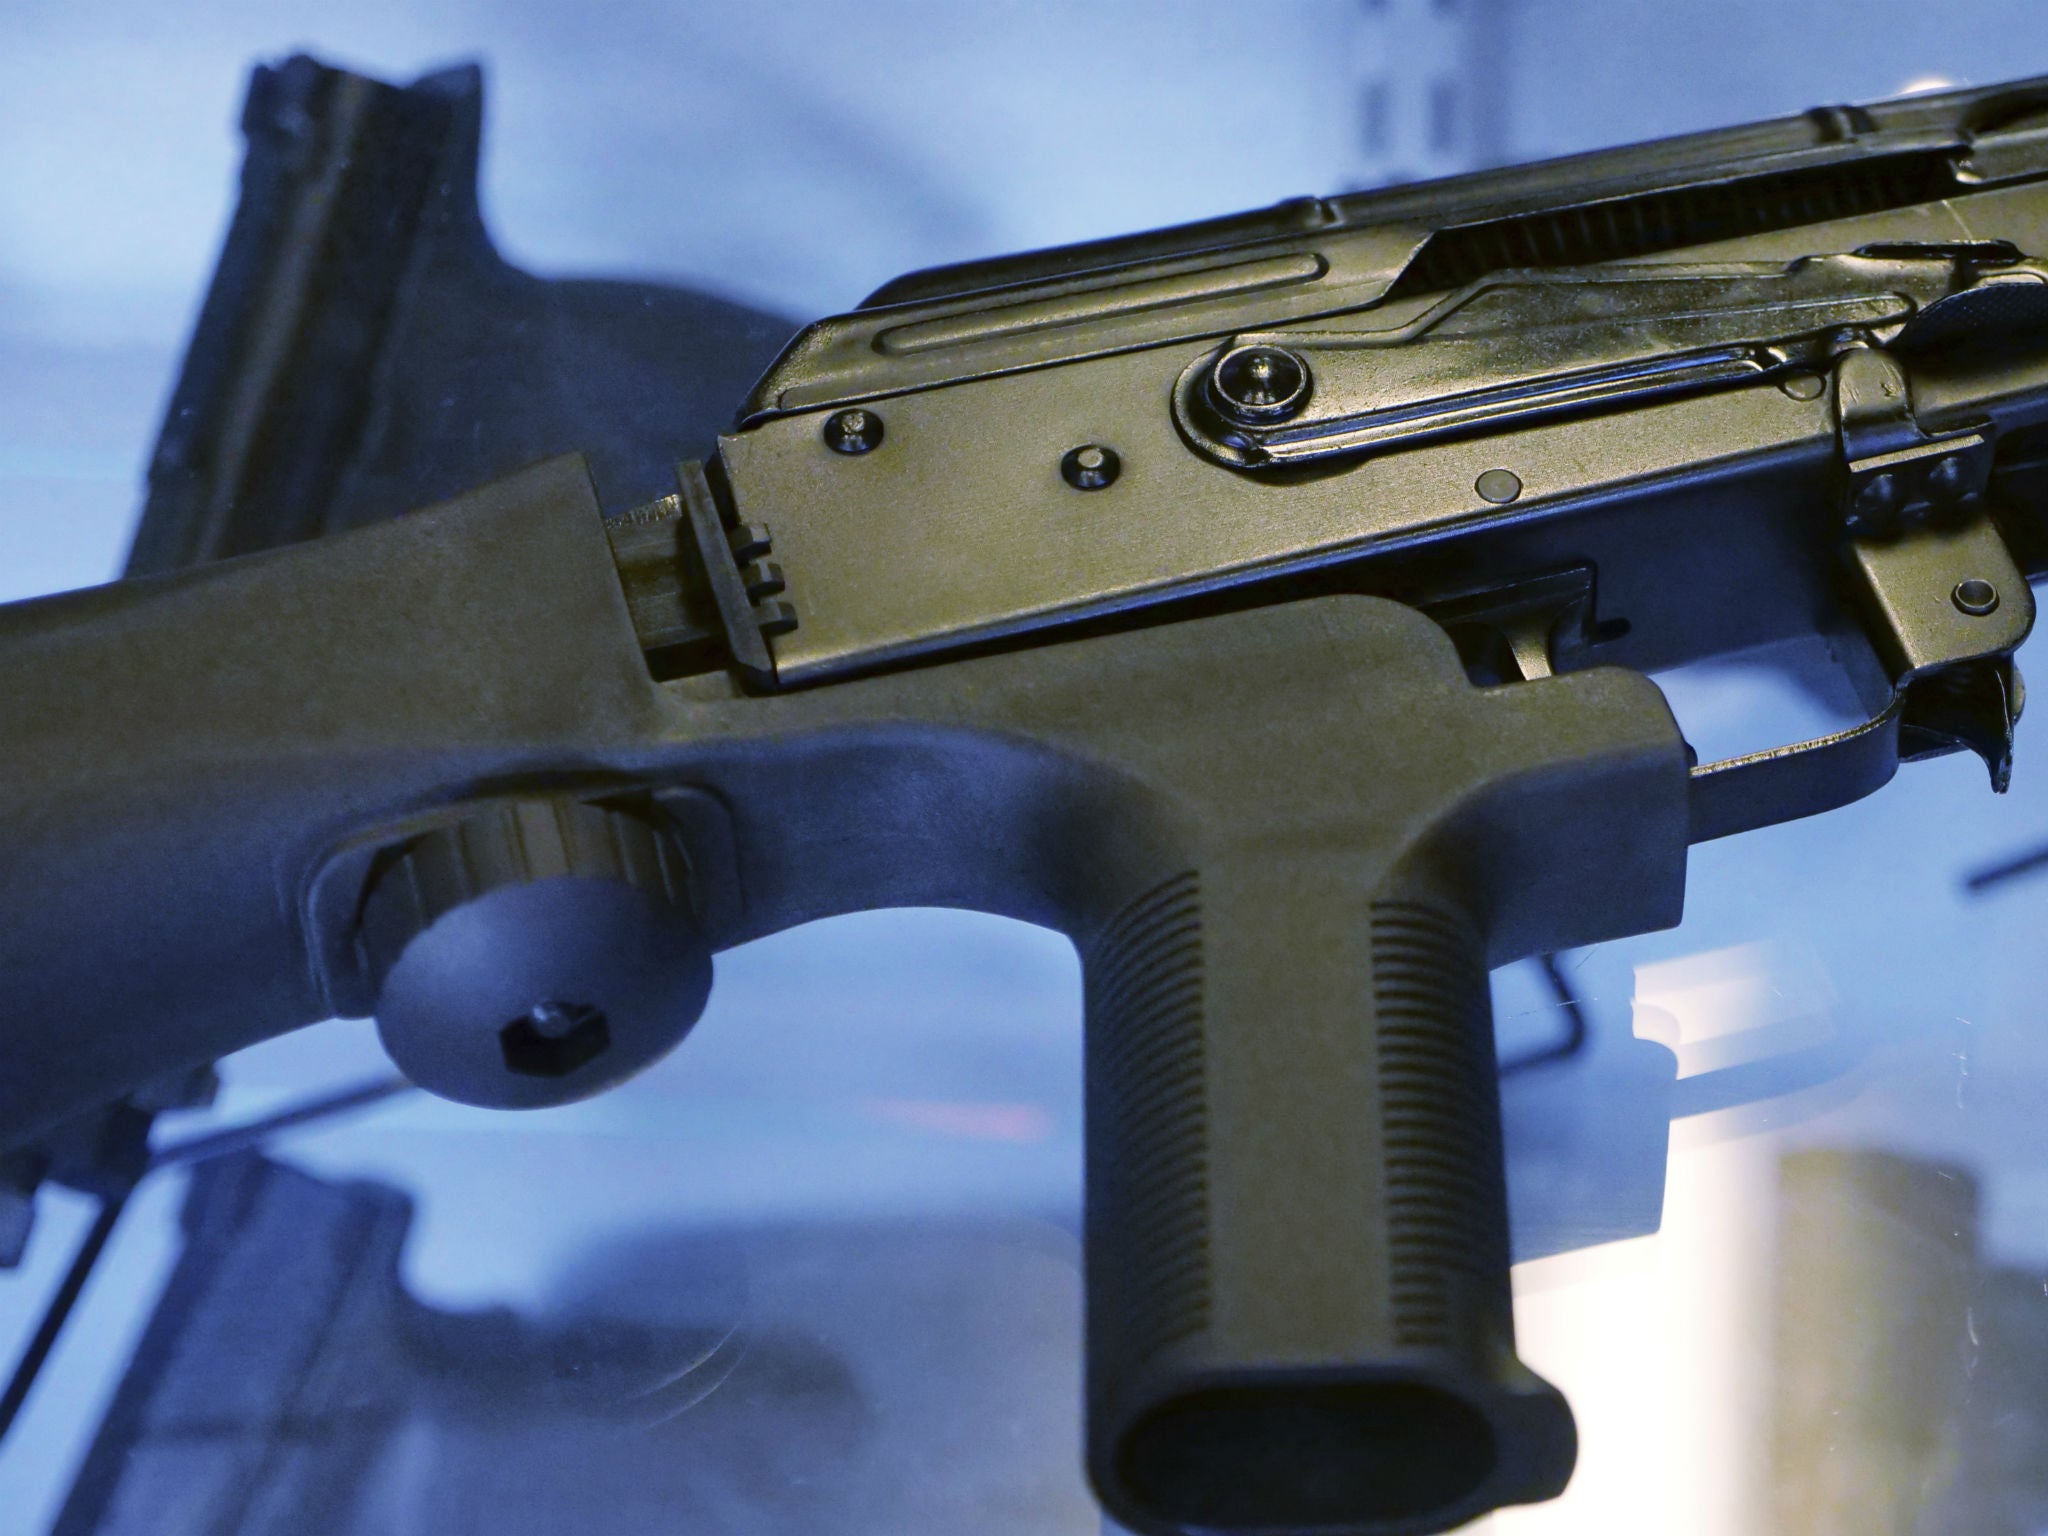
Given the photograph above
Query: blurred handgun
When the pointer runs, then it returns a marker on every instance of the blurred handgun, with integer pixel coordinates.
(1265, 603)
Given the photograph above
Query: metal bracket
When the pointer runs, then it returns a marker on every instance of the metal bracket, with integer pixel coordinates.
(1945, 600)
(1944, 603)
(1896, 476)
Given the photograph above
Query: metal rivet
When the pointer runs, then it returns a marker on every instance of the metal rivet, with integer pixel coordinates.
(1260, 384)
(1090, 467)
(1499, 486)
(1876, 496)
(1803, 386)
(1975, 596)
(855, 431)
(1948, 481)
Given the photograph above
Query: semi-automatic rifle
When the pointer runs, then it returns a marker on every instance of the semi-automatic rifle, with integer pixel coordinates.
(1265, 603)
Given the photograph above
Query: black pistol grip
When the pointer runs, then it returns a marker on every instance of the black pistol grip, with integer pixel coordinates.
(1297, 1229)
(1299, 1314)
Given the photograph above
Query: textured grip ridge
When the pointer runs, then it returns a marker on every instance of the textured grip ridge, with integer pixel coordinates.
(1446, 1205)
(1147, 1116)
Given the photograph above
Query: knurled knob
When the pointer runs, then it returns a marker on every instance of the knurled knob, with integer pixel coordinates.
(534, 951)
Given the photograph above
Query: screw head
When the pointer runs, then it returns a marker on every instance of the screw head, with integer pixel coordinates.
(1090, 467)
(1499, 486)
(1258, 384)
(553, 1039)
(854, 431)
(1975, 596)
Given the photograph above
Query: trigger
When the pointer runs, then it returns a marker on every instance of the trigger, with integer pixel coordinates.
(1521, 631)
